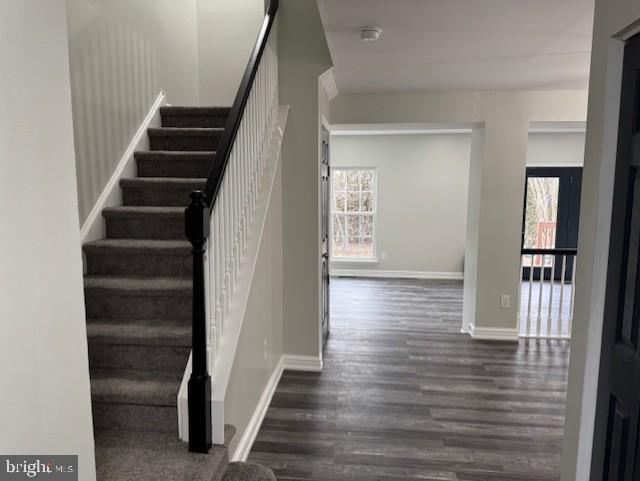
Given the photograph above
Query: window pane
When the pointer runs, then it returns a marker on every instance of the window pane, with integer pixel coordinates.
(353, 207)
(366, 247)
(339, 180)
(353, 180)
(353, 202)
(366, 202)
(367, 180)
(353, 225)
(541, 213)
(338, 235)
(366, 225)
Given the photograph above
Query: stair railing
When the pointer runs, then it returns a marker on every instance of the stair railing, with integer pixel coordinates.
(225, 210)
(546, 293)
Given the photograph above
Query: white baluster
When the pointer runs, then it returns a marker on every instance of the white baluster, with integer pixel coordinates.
(519, 304)
(528, 323)
(573, 295)
(543, 259)
(551, 287)
(561, 308)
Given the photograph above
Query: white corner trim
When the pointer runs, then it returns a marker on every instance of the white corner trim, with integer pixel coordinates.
(294, 362)
(493, 333)
(248, 437)
(93, 227)
(396, 274)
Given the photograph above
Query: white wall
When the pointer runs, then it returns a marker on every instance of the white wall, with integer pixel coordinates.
(303, 57)
(612, 18)
(555, 149)
(227, 31)
(504, 119)
(122, 54)
(45, 406)
(422, 184)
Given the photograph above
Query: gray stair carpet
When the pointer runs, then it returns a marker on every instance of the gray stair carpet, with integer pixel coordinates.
(138, 304)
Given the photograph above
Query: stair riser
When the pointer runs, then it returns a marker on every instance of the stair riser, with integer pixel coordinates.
(135, 417)
(185, 168)
(146, 358)
(193, 120)
(146, 227)
(106, 305)
(140, 265)
(158, 196)
(188, 143)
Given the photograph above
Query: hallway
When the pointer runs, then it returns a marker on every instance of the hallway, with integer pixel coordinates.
(403, 395)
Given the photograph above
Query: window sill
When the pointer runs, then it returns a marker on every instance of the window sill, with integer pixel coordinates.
(354, 260)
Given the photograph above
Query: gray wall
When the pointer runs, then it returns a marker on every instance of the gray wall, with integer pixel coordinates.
(422, 184)
(45, 406)
(227, 31)
(122, 54)
(263, 320)
(303, 57)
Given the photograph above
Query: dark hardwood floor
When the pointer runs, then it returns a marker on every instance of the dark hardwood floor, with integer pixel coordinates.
(403, 395)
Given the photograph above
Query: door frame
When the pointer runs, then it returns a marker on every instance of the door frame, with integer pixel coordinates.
(322, 124)
(601, 153)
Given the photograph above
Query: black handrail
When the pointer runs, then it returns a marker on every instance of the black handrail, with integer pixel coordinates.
(216, 172)
(197, 218)
(563, 251)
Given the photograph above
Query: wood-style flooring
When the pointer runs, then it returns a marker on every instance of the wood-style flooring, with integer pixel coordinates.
(403, 396)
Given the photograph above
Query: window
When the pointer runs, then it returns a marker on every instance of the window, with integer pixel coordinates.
(353, 213)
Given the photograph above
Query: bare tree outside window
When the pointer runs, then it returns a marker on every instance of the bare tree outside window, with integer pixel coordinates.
(353, 213)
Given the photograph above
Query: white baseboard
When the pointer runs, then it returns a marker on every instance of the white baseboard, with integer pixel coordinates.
(302, 363)
(93, 227)
(493, 333)
(396, 274)
(248, 437)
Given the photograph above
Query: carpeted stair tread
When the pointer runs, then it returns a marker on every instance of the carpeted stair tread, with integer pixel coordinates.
(140, 332)
(194, 116)
(135, 222)
(185, 131)
(138, 246)
(139, 258)
(166, 163)
(248, 472)
(160, 182)
(174, 286)
(184, 138)
(141, 211)
(159, 191)
(193, 110)
(149, 456)
(132, 386)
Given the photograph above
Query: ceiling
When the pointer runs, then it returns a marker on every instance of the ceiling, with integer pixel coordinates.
(460, 44)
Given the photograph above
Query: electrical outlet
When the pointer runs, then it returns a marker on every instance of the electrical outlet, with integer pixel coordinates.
(266, 348)
(505, 301)
(384, 256)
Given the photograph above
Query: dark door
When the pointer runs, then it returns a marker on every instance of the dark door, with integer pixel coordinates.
(325, 216)
(550, 216)
(616, 449)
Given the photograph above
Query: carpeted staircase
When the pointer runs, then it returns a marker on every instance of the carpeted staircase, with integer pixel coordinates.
(138, 304)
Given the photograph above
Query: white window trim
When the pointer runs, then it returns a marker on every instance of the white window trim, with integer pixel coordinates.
(356, 260)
